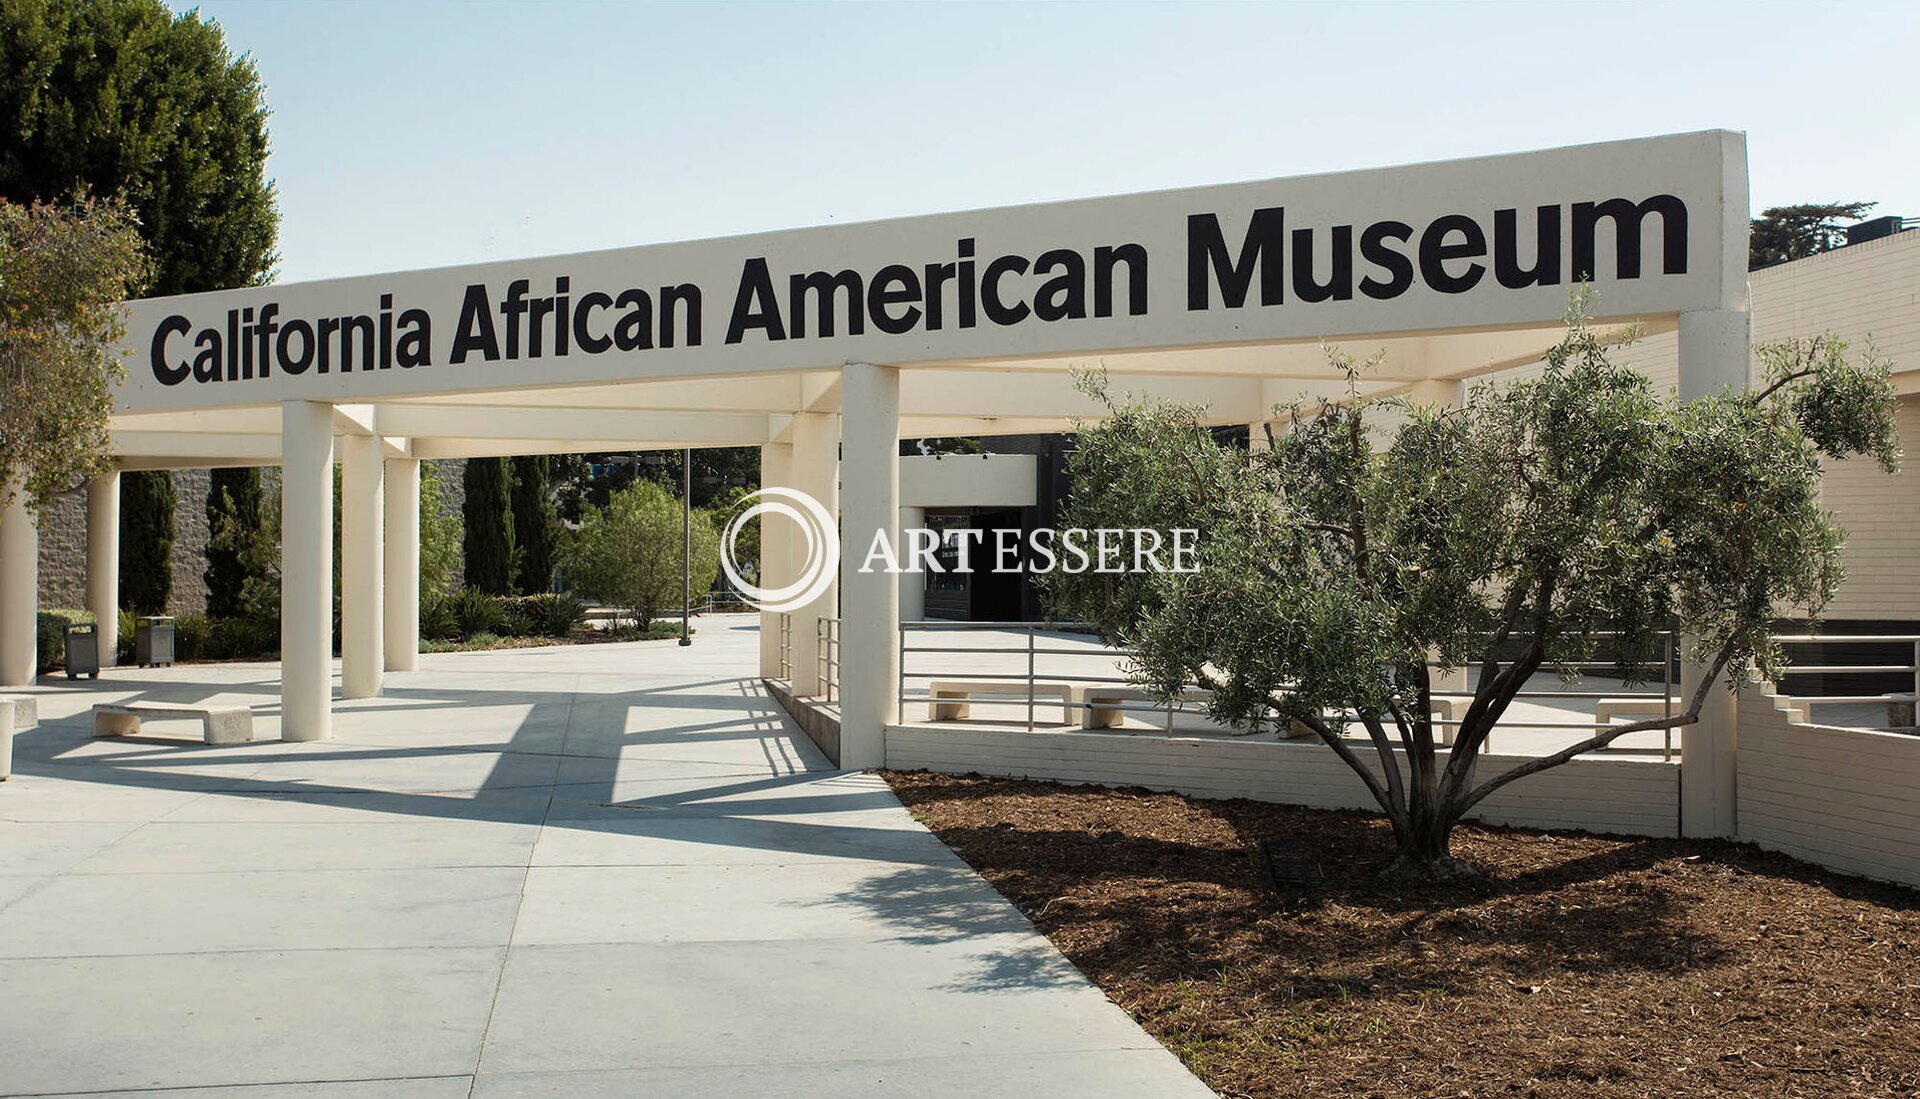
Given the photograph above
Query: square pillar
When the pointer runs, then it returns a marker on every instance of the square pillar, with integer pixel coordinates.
(870, 596)
(815, 470)
(103, 563)
(19, 589)
(306, 570)
(913, 585)
(1715, 354)
(776, 471)
(400, 570)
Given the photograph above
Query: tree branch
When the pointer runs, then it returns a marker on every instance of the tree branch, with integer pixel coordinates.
(1601, 740)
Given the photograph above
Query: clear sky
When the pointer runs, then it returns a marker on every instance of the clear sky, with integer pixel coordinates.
(421, 134)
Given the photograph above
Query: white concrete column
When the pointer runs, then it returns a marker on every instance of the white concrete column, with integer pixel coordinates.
(19, 590)
(400, 571)
(870, 599)
(362, 561)
(776, 471)
(913, 585)
(815, 470)
(306, 570)
(1715, 350)
(103, 563)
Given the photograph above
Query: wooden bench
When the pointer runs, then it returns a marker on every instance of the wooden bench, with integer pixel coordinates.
(220, 724)
(26, 710)
(951, 697)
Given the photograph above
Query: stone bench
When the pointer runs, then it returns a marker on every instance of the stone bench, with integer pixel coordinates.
(26, 710)
(1103, 704)
(220, 724)
(951, 697)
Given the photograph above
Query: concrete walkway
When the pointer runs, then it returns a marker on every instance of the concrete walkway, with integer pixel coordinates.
(611, 870)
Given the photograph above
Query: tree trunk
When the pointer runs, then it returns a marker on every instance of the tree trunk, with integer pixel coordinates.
(1425, 853)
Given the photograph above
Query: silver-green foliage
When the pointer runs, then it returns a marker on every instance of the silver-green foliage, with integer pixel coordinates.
(1532, 522)
(628, 554)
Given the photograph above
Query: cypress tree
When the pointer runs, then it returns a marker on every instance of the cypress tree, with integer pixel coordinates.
(534, 520)
(146, 540)
(488, 513)
(233, 497)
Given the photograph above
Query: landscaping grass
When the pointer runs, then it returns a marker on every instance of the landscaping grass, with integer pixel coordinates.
(1582, 966)
(658, 631)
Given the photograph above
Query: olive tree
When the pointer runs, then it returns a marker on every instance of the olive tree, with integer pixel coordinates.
(63, 269)
(629, 553)
(1340, 570)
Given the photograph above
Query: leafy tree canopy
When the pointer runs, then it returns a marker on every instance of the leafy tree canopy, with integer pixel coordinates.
(60, 268)
(124, 97)
(1526, 524)
(1783, 233)
(628, 554)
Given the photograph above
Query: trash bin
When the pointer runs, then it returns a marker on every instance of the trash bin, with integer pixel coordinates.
(83, 650)
(153, 641)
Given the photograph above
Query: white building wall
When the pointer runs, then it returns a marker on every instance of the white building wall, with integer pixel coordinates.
(1843, 798)
(1627, 796)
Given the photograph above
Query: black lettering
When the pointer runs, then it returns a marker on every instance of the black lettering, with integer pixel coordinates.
(1546, 252)
(416, 339)
(1627, 219)
(582, 335)
(1436, 252)
(634, 330)
(1339, 284)
(163, 371)
(687, 296)
(290, 362)
(895, 284)
(474, 333)
(1262, 246)
(825, 288)
(1063, 296)
(1105, 259)
(998, 311)
(1399, 269)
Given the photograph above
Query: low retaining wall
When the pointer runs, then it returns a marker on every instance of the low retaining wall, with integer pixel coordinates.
(1627, 796)
(821, 725)
(1844, 798)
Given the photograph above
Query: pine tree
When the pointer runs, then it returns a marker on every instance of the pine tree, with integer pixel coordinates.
(233, 497)
(535, 524)
(488, 514)
(146, 541)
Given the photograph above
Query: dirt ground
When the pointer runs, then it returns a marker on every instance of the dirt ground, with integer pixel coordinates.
(1580, 966)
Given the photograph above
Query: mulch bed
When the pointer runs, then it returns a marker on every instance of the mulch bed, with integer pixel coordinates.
(1579, 966)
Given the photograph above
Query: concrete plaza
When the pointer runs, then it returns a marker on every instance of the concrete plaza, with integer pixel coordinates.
(599, 870)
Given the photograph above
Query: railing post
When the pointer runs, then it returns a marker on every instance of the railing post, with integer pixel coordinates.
(1030, 674)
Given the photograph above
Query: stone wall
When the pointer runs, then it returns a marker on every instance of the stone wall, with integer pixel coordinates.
(63, 537)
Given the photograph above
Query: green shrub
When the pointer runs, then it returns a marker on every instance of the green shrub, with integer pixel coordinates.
(483, 638)
(556, 615)
(515, 620)
(241, 638)
(191, 633)
(50, 638)
(437, 622)
(476, 612)
(123, 636)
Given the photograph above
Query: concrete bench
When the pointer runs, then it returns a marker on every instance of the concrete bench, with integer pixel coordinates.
(951, 697)
(26, 710)
(1103, 704)
(220, 724)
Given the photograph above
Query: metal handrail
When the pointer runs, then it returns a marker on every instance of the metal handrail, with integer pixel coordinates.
(1912, 667)
(1031, 649)
(786, 647)
(826, 656)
